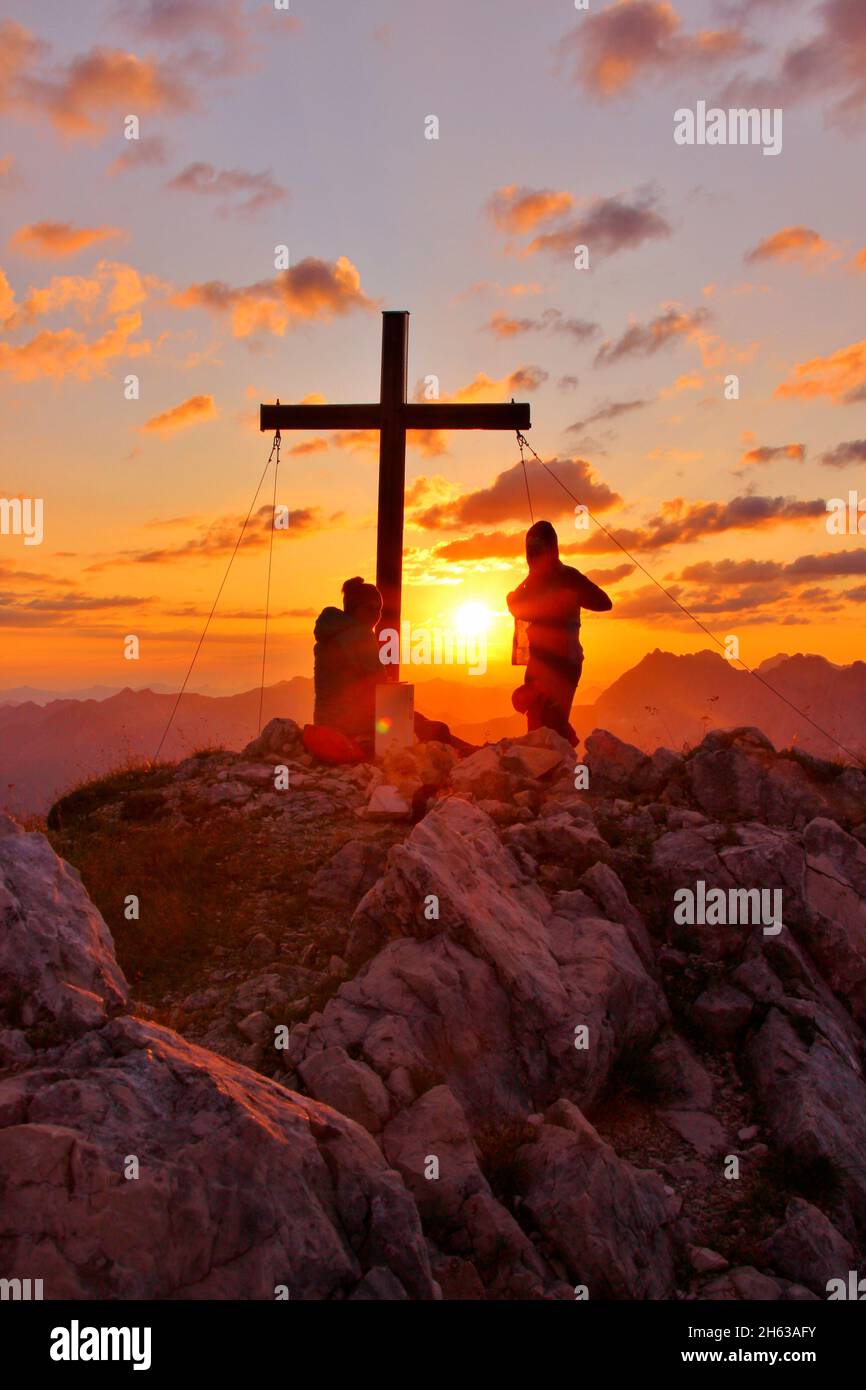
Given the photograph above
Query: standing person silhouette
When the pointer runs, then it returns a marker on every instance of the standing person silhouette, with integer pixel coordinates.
(546, 609)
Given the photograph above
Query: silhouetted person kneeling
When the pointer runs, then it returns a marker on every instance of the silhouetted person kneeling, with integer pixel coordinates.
(546, 607)
(346, 664)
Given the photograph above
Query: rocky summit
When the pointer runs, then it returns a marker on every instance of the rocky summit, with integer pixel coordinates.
(516, 1025)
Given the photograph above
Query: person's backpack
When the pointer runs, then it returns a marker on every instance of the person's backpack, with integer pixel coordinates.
(330, 746)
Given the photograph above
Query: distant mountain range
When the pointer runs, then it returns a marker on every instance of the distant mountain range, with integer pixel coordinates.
(665, 700)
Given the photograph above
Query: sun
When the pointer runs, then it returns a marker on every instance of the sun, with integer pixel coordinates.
(472, 619)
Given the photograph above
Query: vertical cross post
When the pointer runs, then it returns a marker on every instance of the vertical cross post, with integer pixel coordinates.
(392, 471)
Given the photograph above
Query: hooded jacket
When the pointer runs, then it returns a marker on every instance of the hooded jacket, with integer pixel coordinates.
(346, 669)
(546, 609)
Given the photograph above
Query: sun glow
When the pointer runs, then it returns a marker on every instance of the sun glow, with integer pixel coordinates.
(472, 620)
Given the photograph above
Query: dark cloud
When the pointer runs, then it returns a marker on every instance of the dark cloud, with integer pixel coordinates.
(505, 499)
(611, 49)
(236, 189)
(851, 451)
(311, 290)
(830, 65)
(644, 340)
(606, 226)
(612, 410)
(139, 153)
(209, 37)
(550, 321)
(772, 453)
(220, 537)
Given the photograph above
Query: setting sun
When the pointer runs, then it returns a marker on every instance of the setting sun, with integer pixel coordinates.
(472, 619)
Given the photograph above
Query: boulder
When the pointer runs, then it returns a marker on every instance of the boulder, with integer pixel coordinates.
(455, 1198)
(808, 1248)
(348, 875)
(241, 1186)
(834, 930)
(606, 1220)
(814, 1098)
(387, 803)
(57, 962)
(279, 738)
(721, 1012)
(351, 1087)
(612, 763)
(482, 776)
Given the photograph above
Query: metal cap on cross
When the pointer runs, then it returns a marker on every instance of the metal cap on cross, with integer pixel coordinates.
(392, 416)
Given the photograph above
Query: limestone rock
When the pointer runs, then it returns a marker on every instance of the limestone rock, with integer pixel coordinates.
(57, 962)
(606, 1220)
(242, 1185)
(808, 1249)
(349, 1086)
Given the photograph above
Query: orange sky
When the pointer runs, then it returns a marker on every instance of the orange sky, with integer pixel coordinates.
(159, 258)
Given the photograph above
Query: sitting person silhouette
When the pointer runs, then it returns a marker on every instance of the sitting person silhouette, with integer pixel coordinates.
(346, 670)
(546, 611)
(346, 666)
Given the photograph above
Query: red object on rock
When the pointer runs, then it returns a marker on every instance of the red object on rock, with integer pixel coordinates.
(330, 746)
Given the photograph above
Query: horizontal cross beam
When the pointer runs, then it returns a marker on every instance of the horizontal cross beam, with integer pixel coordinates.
(435, 415)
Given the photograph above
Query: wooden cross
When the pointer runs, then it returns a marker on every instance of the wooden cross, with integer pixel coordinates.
(392, 416)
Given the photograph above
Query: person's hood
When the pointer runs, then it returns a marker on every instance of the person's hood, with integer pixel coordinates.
(542, 539)
(332, 622)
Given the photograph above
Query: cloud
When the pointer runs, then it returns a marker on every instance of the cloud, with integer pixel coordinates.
(220, 536)
(505, 499)
(568, 382)
(830, 65)
(78, 97)
(798, 244)
(487, 389)
(494, 287)
(852, 451)
(139, 153)
(550, 321)
(690, 381)
(518, 210)
(310, 446)
(841, 376)
(254, 191)
(190, 412)
(606, 226)
(768, 453)
(611, 576)
(644, 340)
(489, 545)
(611, 410)
(311, 291)
(679, 522)
(843, 564)
(68, 352)
(58, 239)
(210, 37)
(112, 288)
(612, 49)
